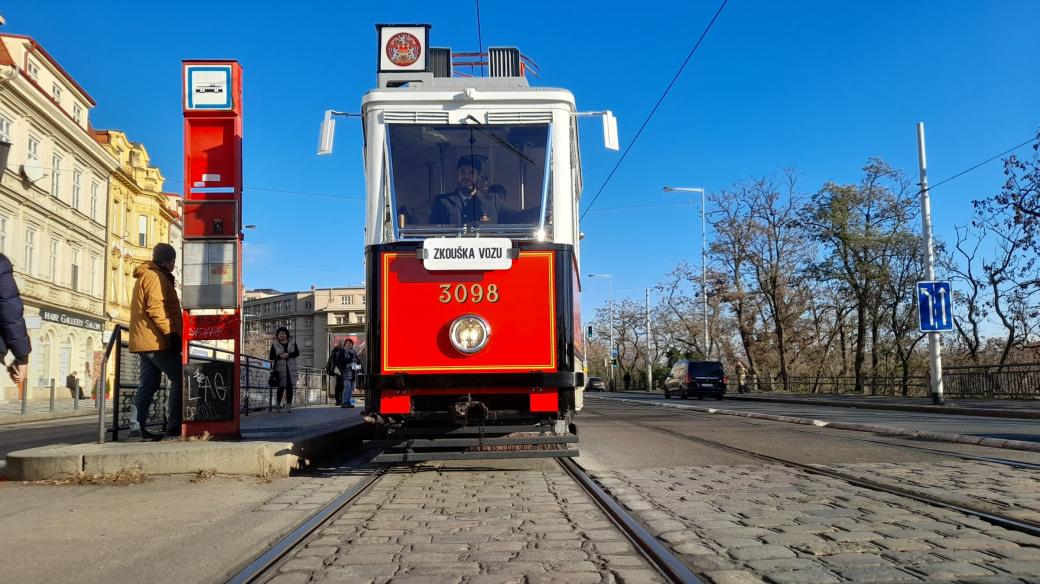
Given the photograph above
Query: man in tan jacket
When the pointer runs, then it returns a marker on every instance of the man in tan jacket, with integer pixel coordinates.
(155, 335)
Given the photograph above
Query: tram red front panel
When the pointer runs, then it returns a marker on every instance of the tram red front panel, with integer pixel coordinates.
(418, 306)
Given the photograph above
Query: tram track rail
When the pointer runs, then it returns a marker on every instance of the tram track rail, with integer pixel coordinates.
(1020, 525)
(652, 550)
(265, 563)
(648, 547)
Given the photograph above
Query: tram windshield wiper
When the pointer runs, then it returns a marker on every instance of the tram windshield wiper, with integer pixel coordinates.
(501, 142)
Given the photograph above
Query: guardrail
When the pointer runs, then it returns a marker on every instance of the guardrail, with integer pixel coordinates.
(1018, 381)
(256, 394)
(886, 385)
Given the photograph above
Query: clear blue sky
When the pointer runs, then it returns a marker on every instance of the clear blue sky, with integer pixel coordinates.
(817, 85)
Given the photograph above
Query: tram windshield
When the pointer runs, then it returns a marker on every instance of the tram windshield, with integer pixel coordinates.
(484, 178)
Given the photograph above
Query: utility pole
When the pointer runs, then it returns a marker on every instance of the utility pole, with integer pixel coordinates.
(704, 262)
(704, 281)
(649, 363)
(610, 278)
(934, 340)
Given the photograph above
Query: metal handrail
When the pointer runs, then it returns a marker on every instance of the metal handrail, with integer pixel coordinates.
(114, 340)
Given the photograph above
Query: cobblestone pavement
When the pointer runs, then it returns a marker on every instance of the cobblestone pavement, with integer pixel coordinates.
(443, 523)
(996, 488)
(764, 523)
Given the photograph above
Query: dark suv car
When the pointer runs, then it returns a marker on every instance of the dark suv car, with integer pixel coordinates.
(696, 378)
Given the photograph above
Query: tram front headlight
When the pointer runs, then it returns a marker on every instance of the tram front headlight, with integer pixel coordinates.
(469, 333)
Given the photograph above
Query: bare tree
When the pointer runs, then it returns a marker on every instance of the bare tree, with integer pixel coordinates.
(857, 224)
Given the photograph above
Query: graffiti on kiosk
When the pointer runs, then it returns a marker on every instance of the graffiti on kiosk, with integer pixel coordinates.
(206, 332)
(208, 394)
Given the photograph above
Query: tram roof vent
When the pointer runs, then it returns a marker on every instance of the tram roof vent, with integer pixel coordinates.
(505, 62)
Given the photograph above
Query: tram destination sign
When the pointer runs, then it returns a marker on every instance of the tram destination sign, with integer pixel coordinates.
(476, 253)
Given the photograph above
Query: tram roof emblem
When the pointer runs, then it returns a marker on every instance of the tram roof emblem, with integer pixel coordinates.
(403, 47)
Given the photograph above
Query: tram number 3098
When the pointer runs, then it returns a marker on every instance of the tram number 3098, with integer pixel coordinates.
(461, 293)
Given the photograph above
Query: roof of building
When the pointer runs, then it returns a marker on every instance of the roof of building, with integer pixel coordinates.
(35, 46)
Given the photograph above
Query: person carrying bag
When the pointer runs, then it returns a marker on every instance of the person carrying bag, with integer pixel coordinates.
(283, 356)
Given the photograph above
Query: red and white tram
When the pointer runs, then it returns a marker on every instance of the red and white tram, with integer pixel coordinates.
(474, 343)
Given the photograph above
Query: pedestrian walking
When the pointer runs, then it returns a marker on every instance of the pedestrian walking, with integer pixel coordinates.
(332, 368)
(14, 337)
(349, 364)
(741, 378)
(628, 380)
(283, 356)
(155, 336)
(72, 382)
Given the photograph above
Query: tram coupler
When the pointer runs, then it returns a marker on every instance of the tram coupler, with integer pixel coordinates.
(462, 412)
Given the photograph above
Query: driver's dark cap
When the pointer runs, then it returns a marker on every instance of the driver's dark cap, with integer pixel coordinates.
(474, 161)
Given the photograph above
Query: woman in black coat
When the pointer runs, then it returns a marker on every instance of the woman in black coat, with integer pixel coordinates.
(13, 335)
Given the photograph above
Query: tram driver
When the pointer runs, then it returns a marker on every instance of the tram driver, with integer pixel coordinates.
(473, 202)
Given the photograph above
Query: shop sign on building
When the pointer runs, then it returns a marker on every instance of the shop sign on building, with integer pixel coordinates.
(67, 318)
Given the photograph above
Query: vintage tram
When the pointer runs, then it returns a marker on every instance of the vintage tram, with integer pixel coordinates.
(474, 345)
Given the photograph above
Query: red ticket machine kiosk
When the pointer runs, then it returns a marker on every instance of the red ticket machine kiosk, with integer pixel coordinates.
(211, 260)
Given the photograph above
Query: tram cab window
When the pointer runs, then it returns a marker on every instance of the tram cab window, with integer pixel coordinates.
(484, 178)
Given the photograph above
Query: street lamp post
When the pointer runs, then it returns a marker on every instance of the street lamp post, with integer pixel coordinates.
(704, 262)
(610, 306)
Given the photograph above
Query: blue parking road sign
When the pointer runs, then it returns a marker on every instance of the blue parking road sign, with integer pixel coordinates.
(935, 306)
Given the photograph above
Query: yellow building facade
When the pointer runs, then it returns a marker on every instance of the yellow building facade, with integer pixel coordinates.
(140, 215)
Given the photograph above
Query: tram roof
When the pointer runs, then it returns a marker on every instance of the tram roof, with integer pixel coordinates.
(463, 91)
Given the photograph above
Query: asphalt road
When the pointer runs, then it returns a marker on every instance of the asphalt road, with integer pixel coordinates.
(1004, 428)
(16, 437)
(618, 435)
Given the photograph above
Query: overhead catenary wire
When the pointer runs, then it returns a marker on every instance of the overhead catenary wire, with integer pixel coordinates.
(930, 188)
(654, 109)
(981, 164)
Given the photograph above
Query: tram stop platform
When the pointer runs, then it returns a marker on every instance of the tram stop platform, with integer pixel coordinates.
(272, 444)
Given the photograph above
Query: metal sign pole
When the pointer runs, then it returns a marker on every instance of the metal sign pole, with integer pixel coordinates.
(934, 340)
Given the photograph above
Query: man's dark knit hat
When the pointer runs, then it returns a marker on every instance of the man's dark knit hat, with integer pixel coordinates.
(163, 252)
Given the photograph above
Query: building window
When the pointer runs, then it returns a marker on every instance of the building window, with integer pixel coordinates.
(77, 113)
(5, 128)
(341, 319)
(34, 70)
(93, 275)
(33, 152)
(3, 234)
(56, 92)
(142, 230)
(77, 178)
(30, 249)
(56, 175)
(344, 299)
(52, 265)
(361, 319)
(74, 274)
(94, 199)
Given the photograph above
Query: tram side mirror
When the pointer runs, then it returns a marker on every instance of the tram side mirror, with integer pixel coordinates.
(610, 135)
(328, 132)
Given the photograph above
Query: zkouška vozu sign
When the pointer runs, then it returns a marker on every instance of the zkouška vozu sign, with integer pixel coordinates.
(208, 391)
